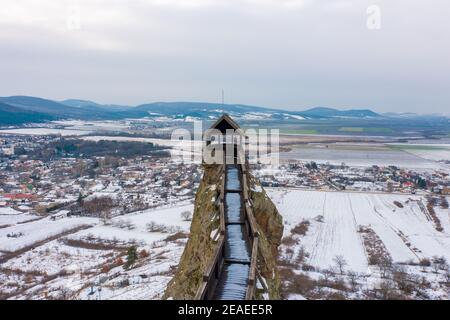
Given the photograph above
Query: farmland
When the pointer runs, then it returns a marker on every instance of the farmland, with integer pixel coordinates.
(56, 259)
(338, 224)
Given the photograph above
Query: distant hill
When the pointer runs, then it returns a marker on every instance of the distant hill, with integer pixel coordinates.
(10, 115)
(57, 110)
(76, 103)
(37, 105)
(334, 113)
(200, 109)
(23, 108)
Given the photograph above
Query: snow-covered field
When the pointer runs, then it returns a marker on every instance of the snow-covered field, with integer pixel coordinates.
(362, 155)
(169, 217)
(433, 152)
(88, 263)
(343, 214)
(45, 131)
(8, 211)
(32, 232)
(407, 232)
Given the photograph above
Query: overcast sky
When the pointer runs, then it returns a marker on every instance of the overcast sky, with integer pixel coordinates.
(291, 54)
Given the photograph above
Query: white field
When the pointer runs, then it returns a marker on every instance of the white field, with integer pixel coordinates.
(84, 266)
(45, 131)
(433, 152)
(12, 219)
(367, 154)
(36, 231)
(169, 217)
(343, 212)
(8, 211)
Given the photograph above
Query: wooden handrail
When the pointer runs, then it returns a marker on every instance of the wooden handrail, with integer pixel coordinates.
(212, 273)
(203, 291)
(251, 288)
(244, 186)
(251, 220)
(208, 273)
(252, 273)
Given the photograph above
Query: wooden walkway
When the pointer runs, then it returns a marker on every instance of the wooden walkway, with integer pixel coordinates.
(231, 275)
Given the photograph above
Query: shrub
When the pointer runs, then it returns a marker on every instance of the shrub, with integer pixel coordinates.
(335, 296)
(300, 283)
(398, 204)
(301, 228)
(301, 255)
(353, 276)
(186, 215)
(105, 269)
(131, 257)
(338, 284)
(425, 262)
(144, 254)
(177, 236)
(319, 218)
(444, 203)
(308, 268)
(154, 227)
(385, 265)
(430, 208)
(289, 241)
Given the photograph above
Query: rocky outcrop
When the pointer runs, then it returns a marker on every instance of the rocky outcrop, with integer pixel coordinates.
(200, 247)
(270, 224)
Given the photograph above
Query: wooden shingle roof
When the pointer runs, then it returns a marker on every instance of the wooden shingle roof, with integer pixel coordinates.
(228, 119)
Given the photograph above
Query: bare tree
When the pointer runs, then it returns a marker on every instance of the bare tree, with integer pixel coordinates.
(186, 215)
(353, 276)
(402, 278)
(386, 289)
(301, 255)
(385, 265)
(447, 277)
(436, 267)
(341, 263)
(327, 274)
(106, 216)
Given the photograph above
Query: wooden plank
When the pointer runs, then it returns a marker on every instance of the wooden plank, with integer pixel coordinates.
(251, 220)
(222, 218)
(262, 281)
(252, 273)
(244, 187)
(217, 257)
(253, 262)
(222, 184)
(201, 292)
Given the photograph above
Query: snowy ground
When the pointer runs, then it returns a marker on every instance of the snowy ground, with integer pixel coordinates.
(45, 131)
(408, 234)
(433, 152)
(362, 155)
(42, 262)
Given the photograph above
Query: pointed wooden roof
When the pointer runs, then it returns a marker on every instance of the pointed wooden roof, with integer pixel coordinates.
(228, 119)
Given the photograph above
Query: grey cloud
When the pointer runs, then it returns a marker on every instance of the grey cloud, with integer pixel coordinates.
(290, 54)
